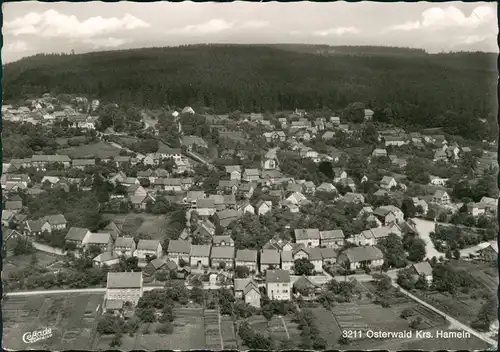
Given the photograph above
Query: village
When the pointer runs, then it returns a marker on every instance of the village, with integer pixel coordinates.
(229, 238)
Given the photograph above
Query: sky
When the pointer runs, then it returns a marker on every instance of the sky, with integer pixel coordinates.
(32, 27)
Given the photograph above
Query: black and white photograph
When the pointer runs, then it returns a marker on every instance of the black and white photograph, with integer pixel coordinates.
(249, 176)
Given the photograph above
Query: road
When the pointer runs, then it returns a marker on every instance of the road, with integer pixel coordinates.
(53, 292)
(455, 323)
(424, 228)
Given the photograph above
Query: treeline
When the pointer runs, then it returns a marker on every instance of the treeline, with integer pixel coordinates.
(446, 90)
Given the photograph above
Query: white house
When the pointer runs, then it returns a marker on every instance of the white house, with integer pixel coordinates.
(124, 287)
(200, 255)
(125, 246)
(278, 285)
(359, 257)
(307, 237)
(147, 249)
(248, 258)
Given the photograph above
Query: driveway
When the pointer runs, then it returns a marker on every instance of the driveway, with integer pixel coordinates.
(424, 228)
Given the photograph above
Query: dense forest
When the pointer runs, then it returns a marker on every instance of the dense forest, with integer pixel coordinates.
(404, 86)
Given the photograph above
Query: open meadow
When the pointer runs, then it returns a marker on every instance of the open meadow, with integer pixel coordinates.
(96, 150)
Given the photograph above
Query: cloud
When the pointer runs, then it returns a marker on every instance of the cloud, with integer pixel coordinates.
(254, 25)
(337, 31)
(54, 24)
(17, 46)
(438, 18)
(210, 27)
(105, 42)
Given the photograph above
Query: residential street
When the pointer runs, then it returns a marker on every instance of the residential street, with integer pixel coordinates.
(424, 228)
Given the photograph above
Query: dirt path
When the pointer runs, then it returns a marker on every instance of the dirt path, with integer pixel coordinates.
(284, 325)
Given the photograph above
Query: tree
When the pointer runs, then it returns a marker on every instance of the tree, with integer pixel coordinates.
(165, 329)
(486, 315)
(303, 267)
(23, 246)
(146, 315)
(448, 254)
(393, 250)
(405, 279)
(456, 254)
(408, 208)
(416, 250)
(370, 134)
(242, 272)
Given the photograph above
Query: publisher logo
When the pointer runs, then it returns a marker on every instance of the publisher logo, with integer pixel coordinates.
(34, 336)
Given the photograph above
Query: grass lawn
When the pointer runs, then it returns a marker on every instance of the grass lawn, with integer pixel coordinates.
(377, 317)
(44, 259)
(155, 226)
(96, 150)
(327, 325)
(64, 314)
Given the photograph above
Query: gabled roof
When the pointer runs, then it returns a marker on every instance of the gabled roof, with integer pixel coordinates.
(331, 234)
(202, 250)
(423, 268)
(222, 252)
(277, 276)
(306, 234)
(246, 255)
(270, 257)
(124, 242)
(124, 280)
(148, 245)
(179, 246)
(76, 234)
(57, 219)
(99, 238)
(358, 254)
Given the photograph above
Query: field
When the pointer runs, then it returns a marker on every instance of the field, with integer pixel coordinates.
(278, 329)
(153, 225)
(64, 141)
(70, 317)
(482, 271)
(188, 334)
(327, 325)
(95, 150)
(14, 263)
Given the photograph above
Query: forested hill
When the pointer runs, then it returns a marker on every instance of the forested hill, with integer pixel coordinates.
(423, 89)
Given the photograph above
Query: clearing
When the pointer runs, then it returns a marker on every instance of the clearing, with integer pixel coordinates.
(96, 150)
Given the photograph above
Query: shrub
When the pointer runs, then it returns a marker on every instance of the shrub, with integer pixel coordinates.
(165, 328)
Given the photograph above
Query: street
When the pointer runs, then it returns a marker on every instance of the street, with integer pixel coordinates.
(424, 228)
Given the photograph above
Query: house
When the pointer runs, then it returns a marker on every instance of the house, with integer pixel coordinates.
(100, 240)
(396, 141)
(307, 237)
(200, 255)
(147, 249)
(42, 161)
(153, 266)
(438, 181)
(245, 207)
(452, 152)
(248, 290)
(278, 244)
(352, 197)
(250, 175)
(246, 190)
(140, 202)
(489, 253)
(81, 164)
(422, 204)
(124, 286)
(329, 255)
(385, 216)
(368, 114)
(309, 153)
(379, 153)
(326, 187)
(275, 136)
(222, 241)
(106, 258)
(269, 259)
(441, 197)
(228, 186)
(54, 222)
(332, 238)
(314, 256)
(360, 257)
(222, 257)
(263, 207)
(388, 182)
(179, 250)
(475, 209)
(225, 217)
(309, 187)
(422, 269)
(296, 198)
(328, 135)
(278, 285)
(339, 174)
(247, 258)
(234, 171)
(287, 260)
(77, 235)
(14, 205)
(125, 246)
(270, 160)
(205, 207)
(490, 204)
(348, 182)
(193, 141)
(440, 155)
(271, 177)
